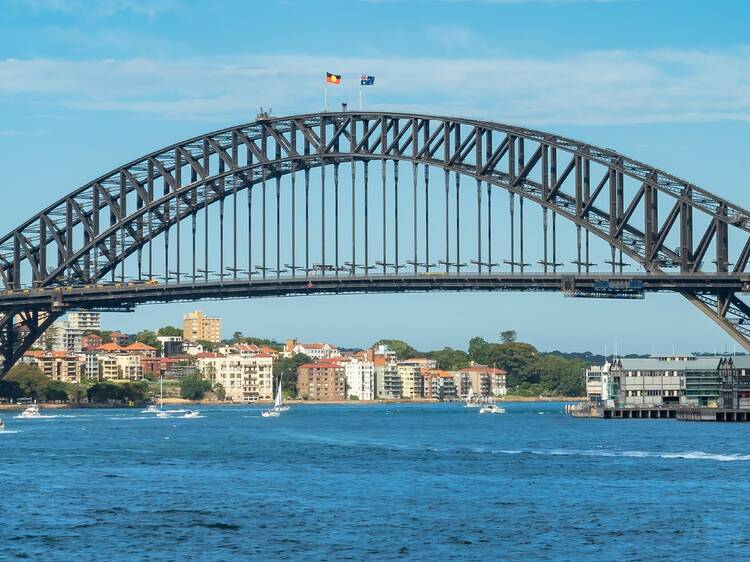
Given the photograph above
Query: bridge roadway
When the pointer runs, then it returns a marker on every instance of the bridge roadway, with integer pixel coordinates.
(126, 294)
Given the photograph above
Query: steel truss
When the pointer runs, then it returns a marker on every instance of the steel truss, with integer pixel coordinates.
(106, 231)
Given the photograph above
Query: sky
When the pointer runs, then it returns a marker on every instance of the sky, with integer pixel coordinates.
(87, 85)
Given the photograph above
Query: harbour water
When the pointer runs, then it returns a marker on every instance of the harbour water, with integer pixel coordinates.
(379, 482)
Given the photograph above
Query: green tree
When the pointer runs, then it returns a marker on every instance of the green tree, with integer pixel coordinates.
(402, 349)
(194, 387)
(104, 391)
(148, 337)
(208, 345)
(57, 391)
(286, 368)
(478, 350)
(508, 336)
(450, 359)
(221, 393)
(30, 380)
(169, 331)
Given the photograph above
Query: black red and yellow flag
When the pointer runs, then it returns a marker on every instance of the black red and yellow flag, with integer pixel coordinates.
(333, 78)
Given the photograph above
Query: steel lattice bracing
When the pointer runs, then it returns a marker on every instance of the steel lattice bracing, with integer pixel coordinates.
(377, 202)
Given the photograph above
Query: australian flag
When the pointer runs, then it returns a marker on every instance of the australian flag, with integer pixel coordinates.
(366, 80)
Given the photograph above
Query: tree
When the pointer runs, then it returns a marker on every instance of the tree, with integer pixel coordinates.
(49, 337)
(286, 368)
(402, 349)
(104, 392)
(221, 393)
(450, 359)
(169, 331)
(57, 391)
(208, 345)
(478, 350)
(29, 379)
(148, 337)
(508, 336)
(194, 388)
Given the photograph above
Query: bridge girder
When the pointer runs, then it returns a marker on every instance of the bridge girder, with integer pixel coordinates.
(87, 235)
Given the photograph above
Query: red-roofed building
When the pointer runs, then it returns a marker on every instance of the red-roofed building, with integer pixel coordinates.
(142, 349)
(110, 347)
(313, 350)
(119, 338)
(56, 365)
(482, 379)
(90, 342)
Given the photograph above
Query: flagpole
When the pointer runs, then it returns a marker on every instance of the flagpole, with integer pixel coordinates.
(325, 98)
(360, 95)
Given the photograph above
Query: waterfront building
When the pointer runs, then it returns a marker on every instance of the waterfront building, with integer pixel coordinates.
(196, 327)
(325, 380)
(316, 351)
(594, 375)
(410, 374)
(663, 380)
(119, 367)
(56, 365)
(734, 373)
(85, 320)
(244, 378)
(481, 380)
(360, 379)
(387, 379)
(438, 385)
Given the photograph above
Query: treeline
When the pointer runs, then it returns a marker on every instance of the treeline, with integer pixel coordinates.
(530, 372)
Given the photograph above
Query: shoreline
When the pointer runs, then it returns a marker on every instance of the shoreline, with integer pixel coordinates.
(295, 402)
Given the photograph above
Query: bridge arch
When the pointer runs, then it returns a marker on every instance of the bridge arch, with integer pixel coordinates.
(110, 223)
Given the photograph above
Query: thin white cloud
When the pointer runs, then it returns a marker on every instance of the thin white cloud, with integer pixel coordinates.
(100, 8)
(601, 87)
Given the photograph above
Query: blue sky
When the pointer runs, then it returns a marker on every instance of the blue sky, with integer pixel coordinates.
(88, 85)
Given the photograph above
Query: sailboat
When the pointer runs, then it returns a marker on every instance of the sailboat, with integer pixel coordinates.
(471, 401)
(160, 411)
(278, 406)
(279, 403)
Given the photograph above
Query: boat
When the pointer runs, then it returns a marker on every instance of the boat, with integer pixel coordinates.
(30, 412)
(278, 405)
(191, 414)
(491, 409)
(2, 424)
(163, 414)
(471, 400)
(151, 409)
(270, 413)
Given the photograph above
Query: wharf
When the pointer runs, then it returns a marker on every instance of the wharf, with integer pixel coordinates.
(682, 413)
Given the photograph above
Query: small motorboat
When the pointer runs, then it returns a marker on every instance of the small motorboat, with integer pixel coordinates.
(2, 424)
(151, 409)
(163, 414)
(191, 414)
(270, 413)
(491, 409)
(30, 412)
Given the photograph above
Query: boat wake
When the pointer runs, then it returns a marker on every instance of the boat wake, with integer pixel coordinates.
(687, 455)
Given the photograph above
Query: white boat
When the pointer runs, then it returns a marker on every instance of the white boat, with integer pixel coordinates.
(278, 405)
(471, 400)
(2, 424)
(491, 409)
(270, 413)
(163, 414)
(151, 409)
(30, 412)
(191, 414)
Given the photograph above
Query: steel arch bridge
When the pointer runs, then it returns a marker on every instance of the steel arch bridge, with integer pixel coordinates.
(293, 205)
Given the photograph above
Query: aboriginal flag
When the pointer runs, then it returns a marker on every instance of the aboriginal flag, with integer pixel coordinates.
(333, 78)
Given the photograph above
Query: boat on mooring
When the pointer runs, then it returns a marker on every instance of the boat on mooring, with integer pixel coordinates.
(491, 409)
(30, 412)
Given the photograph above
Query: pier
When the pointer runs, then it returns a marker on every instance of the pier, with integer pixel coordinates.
(682, 413)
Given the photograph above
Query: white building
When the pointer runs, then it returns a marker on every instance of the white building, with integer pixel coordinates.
(595, 391)
(85, 320)
(360, 379)
(244, 378)
(62, 337)
(315, 351)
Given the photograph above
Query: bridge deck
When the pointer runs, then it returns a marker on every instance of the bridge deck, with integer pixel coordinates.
(127, 294)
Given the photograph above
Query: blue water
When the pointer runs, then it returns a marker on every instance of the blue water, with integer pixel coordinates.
(376, 482)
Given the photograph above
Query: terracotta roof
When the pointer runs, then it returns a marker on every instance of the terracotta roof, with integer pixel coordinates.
(53, 354)
(139, 346)
(110, 347)
(321, 365)
(209, 355)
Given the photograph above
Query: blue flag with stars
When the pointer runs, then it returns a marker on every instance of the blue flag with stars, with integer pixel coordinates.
(367, 80)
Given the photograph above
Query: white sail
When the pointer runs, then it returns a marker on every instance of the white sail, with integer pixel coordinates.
(279, 400)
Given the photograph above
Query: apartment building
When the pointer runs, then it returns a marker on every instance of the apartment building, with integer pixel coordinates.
(482, 380)
(387, 379)
(438, 384)
(244, 378)
(85, 320)
(197, 326)
(325, 380)
(360, 379)
(56, 365)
